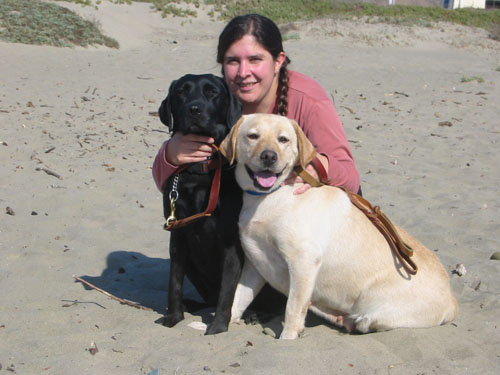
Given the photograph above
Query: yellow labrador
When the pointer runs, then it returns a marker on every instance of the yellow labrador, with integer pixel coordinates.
(319, 249)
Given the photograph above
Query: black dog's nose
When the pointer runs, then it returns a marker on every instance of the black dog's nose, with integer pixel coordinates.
(195, 110)
(268, 157)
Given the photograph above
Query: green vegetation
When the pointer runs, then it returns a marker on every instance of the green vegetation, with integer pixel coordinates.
(466, 79)
(173, 7)
(35, 22)
(283, 11)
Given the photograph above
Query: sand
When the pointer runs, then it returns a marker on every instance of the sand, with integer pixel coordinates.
(425, 144)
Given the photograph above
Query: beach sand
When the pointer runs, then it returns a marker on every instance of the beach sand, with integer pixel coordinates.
(426, 146)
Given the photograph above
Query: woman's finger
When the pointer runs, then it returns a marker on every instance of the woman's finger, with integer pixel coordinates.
(302, 189)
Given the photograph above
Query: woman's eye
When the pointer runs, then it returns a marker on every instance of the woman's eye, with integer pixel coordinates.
(283, 139)
(231, 62)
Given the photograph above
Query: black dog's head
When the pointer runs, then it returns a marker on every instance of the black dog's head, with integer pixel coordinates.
(200, 104)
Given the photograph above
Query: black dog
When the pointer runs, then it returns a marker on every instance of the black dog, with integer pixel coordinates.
(208, 250)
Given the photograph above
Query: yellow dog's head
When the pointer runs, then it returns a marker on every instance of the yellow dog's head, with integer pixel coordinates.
(267, 148)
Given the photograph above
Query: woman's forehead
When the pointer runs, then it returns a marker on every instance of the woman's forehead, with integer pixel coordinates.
(245, 47)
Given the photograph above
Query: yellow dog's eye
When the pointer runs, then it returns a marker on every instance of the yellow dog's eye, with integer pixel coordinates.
(253, 136)
(283, 139)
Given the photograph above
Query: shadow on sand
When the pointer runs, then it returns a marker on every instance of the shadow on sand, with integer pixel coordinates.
(135, 277)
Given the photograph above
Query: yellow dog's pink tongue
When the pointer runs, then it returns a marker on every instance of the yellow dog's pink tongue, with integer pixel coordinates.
(265, 179)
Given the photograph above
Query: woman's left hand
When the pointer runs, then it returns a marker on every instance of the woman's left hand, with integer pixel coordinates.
(295, 179)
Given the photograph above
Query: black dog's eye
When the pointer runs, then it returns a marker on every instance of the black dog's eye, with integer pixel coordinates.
(253, 136)
(184, 89)
(283, 139)
(210, 91)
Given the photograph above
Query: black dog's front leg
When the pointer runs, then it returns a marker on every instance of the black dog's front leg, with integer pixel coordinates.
(231, 270)
(175, 311)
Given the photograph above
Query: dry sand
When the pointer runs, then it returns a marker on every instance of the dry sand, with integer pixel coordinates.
(425, 143)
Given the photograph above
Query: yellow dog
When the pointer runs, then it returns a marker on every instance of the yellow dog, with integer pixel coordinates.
(319, 249)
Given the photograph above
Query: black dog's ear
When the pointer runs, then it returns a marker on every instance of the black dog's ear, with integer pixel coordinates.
(165, 110)
(234, 109)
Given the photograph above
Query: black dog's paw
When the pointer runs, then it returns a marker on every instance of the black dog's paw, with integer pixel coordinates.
(170, 320)
(216, 328)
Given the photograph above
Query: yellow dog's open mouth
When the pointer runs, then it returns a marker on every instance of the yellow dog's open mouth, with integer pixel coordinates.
(263, 180)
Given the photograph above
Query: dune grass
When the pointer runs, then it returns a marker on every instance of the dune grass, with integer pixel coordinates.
(37, 22)
(284, 11)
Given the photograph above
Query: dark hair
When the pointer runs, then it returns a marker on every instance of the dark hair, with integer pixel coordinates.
(268, 35)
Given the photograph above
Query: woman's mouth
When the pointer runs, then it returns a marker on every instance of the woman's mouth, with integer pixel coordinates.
(246, 86)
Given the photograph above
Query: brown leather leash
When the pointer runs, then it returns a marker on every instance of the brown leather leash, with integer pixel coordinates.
(402, 250)
(172, 221)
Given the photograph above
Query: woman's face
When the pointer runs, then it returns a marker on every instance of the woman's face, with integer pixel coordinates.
(252, 74)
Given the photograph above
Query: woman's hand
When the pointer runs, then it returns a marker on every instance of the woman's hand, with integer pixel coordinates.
(188, 148)
(295, 179)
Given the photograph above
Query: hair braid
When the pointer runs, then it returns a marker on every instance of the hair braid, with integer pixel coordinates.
(282, 103)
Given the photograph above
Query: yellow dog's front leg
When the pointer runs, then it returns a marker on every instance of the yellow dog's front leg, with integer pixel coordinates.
(302, 280)
(250, 284)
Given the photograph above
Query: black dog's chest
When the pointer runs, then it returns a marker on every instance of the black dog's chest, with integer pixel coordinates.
(192, 193)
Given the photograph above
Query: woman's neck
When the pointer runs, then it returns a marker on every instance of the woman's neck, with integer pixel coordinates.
(251, 108)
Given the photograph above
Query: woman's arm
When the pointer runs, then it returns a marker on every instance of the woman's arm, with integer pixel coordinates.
(162, 169)
(324, 129)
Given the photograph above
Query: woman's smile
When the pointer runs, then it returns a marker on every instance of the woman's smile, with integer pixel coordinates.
(246, 86)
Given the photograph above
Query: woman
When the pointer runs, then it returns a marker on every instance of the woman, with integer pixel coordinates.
(254, 65)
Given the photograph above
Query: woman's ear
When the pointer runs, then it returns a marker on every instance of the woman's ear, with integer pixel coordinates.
(307, 152)
(228, 145)
(279, 60)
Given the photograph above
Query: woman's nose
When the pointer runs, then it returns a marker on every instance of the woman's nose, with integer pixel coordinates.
(243, 69)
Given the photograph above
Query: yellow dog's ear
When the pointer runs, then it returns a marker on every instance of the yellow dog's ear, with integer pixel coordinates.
(228, 145)
(307, 151)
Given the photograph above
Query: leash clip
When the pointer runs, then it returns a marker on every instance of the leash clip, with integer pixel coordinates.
(172, 217)
(173, 195)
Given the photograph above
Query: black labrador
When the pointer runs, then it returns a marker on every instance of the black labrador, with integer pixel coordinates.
(207, 251)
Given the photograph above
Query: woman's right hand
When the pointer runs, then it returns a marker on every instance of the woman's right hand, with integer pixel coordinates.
(188, 148)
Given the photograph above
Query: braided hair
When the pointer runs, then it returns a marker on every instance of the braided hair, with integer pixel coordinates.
(268, 35)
